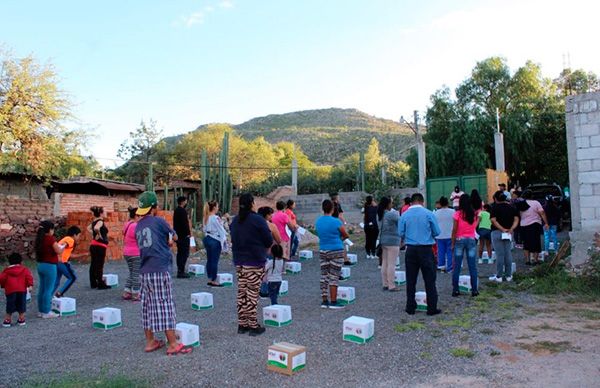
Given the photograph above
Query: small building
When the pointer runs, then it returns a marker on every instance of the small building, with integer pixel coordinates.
(22, 186)
(79, 194)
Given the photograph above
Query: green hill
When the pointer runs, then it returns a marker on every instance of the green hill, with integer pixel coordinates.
(328, 135)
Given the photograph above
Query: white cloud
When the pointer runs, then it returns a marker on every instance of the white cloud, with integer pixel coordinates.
(198, 17)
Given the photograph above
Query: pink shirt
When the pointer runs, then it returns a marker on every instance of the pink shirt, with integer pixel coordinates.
(130, 247)
(532, 215)
(280, 219)
(463, 228)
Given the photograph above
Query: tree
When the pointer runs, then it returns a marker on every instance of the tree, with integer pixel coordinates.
(33, 137)
(571, 82)
(141, 142)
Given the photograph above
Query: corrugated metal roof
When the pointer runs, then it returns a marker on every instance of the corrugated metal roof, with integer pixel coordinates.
(107, 184)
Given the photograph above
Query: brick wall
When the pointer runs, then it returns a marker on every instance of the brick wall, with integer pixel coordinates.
(19, 220)
(583, 147)
(64, 203)
(114, 222)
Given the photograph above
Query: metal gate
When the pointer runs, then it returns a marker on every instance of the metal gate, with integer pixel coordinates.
(437, 187)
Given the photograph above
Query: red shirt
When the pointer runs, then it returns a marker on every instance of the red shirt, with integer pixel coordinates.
(15, 278)
(47, 252)
(291, 214)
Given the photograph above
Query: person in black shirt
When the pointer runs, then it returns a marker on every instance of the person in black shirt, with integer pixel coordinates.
(181, 225)
(371, 228)
(505, 220)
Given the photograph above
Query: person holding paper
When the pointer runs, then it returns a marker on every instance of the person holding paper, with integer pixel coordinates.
(215, 238)
(505, 220)
(389, 239)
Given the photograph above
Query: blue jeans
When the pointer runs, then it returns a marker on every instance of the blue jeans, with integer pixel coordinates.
(66, 270)
(47, 276)
(468, 245)
(213, 252)
(550, 236)
(445, 253)
(294, 244)
(274, 291)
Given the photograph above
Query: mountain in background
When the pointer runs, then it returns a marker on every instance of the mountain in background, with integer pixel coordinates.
(328, 135)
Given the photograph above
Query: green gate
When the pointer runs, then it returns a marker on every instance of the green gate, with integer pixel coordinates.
(437, 187)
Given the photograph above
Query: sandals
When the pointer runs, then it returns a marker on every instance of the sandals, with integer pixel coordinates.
(126, 296)
(211, 284)
(180, 349)
(157, 345)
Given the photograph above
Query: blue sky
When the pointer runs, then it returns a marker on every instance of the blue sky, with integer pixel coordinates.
(190, 62)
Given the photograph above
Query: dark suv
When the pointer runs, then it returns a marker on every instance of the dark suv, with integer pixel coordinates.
(540, 191)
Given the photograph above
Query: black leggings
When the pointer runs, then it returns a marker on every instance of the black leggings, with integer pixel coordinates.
(371, 234)
(98, 254)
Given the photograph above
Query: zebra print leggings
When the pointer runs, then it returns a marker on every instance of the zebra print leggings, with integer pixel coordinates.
(331, 267)
(249, 279)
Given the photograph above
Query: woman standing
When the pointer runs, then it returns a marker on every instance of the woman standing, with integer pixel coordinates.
(47, 251)
(464, 243)
(455, 197)
(131, 253)
(331, 234)
(476, 201)
(505, 220)
(214, 241)
(250, 238)
(371, 228)
(389, 239)
(532, 215)
(267, 213)
(281, 220)
(290, 206)
(98, 248)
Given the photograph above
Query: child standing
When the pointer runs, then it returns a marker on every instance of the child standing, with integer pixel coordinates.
(484, 230)
(15, 279)
(63, 267)
(273, 272)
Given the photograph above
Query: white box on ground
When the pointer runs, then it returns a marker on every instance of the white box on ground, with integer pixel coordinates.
(188, 334)
(196, 270)
(400, 278)
(202, 301)
(106, 318)
(346, 295)
(277, 315)
(283, 289)
(64, 306)
(464, 283)
(421, 299)
(286, 358)
(305, 254)
(111, 279)
(358, 329)
(345, 273)
(225, 279)
(293, 268)
(352, 258)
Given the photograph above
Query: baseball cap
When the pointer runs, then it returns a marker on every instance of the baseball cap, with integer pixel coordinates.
(145, 202)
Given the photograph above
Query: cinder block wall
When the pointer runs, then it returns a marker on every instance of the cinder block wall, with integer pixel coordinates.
(583, 145)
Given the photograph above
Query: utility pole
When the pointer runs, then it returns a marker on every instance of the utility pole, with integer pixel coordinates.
(499, 144)
(420, 154)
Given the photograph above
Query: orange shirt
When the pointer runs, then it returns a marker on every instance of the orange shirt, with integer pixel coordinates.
(69, 245)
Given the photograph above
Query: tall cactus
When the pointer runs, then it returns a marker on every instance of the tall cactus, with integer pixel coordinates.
(216, 181)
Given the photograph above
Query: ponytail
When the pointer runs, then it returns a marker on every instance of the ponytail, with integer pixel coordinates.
(246, 201)
(208, 207)
(45, 227)
(97, 211)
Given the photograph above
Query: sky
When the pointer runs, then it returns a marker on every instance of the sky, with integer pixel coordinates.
(185, 63)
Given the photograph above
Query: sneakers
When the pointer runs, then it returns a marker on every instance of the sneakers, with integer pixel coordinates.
(21, 322)
(495, 278)
(254, 331)
(441, 268)
(336, 305)
(474, 293)
(183, 275)
(243, 329)
(509, 279)
(325, 305)
(6, 323)
(455, 293)
(51, 314)
(434, 312)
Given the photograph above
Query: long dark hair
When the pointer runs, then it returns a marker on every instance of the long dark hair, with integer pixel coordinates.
(246, 201)
(368, 200)
(384, 202)
(476, 200)
(464, 205)
(45, 227)
(97, 211)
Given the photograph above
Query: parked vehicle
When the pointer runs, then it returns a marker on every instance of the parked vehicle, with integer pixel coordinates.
(540, 191)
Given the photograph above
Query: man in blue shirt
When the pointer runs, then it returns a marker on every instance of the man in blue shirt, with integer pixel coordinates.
(418, 228)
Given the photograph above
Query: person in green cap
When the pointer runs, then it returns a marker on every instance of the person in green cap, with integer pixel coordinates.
(154, 237)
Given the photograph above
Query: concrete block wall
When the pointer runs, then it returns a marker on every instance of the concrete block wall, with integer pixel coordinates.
(583, 147)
